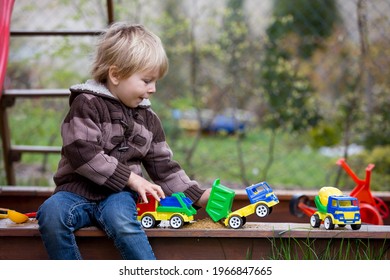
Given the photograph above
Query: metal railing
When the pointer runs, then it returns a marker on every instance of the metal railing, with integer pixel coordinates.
(13, 153)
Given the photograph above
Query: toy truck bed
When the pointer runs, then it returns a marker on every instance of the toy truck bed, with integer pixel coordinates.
(220, 201)
(177, 203)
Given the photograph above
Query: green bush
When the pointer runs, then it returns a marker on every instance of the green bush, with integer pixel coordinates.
(380, 156)
(324, 134)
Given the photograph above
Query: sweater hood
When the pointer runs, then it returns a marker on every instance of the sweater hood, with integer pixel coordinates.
(98, 89)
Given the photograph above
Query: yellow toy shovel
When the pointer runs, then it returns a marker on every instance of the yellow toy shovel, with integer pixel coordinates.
(14, 216)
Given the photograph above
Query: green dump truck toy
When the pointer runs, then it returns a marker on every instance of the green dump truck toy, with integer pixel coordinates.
(219, 205)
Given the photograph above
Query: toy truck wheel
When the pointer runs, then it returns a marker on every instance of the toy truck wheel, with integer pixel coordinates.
(176, 221)
(328, 223)
(235, 222)
(148, 221)
(295, 201)
(315, 221)
(262, 210)
(356, 226)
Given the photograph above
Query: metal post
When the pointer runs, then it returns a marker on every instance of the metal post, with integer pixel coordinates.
(110, 12)
(6, 142)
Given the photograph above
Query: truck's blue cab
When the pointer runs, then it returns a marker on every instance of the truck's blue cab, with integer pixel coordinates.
(345, 209)
(261, 192)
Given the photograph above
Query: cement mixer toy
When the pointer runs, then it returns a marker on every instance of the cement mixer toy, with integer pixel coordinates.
(334, 208)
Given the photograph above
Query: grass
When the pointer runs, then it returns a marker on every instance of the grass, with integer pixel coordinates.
(334, 249)
(295, 165)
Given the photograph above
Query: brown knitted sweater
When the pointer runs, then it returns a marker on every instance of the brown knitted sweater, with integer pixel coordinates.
(104, 141)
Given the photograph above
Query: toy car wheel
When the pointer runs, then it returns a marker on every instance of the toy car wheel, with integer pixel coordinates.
(315, 221)
(356, 226)
(328, 223)
(295, 201)
(148, 221)
(262, 210)
(176, 221)
(235, 222)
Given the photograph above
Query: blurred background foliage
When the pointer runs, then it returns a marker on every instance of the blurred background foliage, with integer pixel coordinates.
(295, 85)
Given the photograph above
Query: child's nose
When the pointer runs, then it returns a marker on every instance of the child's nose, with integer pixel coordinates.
(152, 88)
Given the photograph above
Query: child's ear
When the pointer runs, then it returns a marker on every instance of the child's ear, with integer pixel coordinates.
(113, 75)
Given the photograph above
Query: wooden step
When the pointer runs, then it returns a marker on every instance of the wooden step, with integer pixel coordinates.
(254, 240)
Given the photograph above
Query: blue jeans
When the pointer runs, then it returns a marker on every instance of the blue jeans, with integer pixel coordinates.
(64, 212)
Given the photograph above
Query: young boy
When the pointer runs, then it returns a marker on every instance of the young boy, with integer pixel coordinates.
(108, 133)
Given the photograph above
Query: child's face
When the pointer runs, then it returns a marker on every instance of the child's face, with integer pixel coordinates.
(132, 90)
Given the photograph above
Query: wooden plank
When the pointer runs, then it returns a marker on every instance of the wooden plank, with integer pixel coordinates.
(20, 191)
(250, 230)
(255, 240)
(24, 199)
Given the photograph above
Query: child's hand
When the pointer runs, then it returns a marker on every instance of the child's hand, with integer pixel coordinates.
(143, 186)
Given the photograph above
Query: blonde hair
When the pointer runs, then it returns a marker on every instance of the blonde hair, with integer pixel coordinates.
(131, 48)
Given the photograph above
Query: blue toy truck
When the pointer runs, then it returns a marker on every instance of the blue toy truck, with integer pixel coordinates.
(334, 208)
(219, 205)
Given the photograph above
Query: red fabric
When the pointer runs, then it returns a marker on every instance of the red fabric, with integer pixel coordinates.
(5, 20)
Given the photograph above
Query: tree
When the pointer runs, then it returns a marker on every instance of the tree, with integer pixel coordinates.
(289, 97)
(311, 20)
